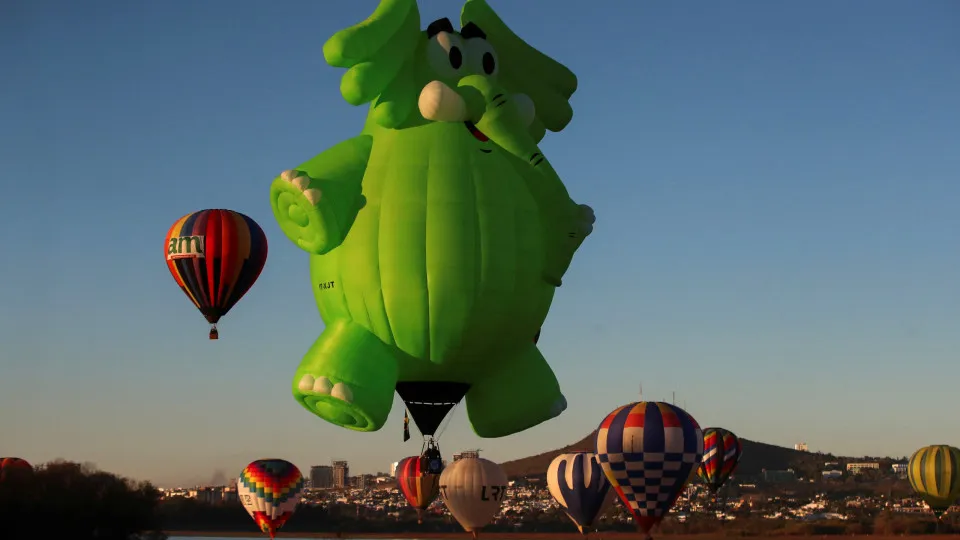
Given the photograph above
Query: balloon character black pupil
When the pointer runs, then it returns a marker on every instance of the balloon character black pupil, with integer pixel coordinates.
(489, 64)
(456, 57)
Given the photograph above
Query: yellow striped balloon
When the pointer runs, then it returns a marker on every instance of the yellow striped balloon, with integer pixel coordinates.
(934, 473)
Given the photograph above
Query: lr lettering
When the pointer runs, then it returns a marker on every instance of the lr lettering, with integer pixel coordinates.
(324, 285)
(496, 493)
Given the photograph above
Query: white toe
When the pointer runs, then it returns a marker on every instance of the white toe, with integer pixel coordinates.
(312, 195)
(322, 386)
(342, 391)
(302, 182)
(306, 383)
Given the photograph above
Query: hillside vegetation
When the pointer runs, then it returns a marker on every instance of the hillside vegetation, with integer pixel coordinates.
(757, 456)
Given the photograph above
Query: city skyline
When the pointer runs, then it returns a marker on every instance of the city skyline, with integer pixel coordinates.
(775, 189)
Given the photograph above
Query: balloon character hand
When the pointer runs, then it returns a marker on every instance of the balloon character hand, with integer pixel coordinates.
(580, 226)
(305, 213)
(584, 222)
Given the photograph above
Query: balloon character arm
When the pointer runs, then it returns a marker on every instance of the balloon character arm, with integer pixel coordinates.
(540, 89)
(377, 54)
(316, 203)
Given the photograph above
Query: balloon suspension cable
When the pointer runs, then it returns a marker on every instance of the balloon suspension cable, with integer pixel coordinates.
(447, 420)
(214, 334)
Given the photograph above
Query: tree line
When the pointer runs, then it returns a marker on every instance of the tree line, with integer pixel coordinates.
(69, 500)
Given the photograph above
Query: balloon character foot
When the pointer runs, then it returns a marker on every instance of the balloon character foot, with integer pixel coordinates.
(528, 384)
(214, 334)
(347, 378)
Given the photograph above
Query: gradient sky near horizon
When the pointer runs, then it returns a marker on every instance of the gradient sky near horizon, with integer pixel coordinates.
(776, 186)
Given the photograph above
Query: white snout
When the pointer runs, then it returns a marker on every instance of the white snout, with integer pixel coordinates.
(440, 103)
(527, 109)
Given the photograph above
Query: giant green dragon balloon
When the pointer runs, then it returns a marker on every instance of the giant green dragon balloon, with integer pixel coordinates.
(439, 234)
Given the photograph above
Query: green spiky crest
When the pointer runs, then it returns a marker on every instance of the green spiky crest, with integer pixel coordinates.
(385, 61)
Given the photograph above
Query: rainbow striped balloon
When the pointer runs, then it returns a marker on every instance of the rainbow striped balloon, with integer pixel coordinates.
(269, 490)
(649, 450)
(721, 454)
(215, 256)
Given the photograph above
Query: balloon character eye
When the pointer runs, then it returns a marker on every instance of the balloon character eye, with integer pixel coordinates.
(456, 57)
(489, 64)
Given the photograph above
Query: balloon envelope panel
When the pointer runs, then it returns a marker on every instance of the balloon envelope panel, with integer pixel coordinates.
(578, 484)
(934, 473)
(215, 256)
(269, 490)
(419, 487)
(473, 490)
(721, 454)
(648, 451)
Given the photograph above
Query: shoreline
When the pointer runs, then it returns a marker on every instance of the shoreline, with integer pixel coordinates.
(408, 535)
(440, 535)
(528, 536)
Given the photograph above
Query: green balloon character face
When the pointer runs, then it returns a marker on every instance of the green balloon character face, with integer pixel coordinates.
(439, 235)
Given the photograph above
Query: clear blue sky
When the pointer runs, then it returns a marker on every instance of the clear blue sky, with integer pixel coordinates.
(777, 189)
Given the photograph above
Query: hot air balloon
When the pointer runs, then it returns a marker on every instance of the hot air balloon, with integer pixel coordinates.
(434, 294)
(648, 451)
(418, 485)
(934, 473)
(11, 467)
(215, 256)
(269, 490)
(578, 484)
(721, 454)
(473, 489)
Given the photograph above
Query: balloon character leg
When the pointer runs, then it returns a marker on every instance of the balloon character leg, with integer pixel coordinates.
(347, 377)
(519, 394)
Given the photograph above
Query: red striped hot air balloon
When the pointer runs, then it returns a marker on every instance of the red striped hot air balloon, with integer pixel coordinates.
(418, 486)
(11, 467)
(215, 256)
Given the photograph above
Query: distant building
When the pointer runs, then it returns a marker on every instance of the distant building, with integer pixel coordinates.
(828, 475)
(466, 454)
(341, 474)
(321, 477)
(777, 477)
(899, 469)
(393, 468)
(230, 495)
(857, 468)
(802, 447)
(209, 495)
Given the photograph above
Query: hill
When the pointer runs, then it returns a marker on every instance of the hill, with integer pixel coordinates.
(756, 457)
